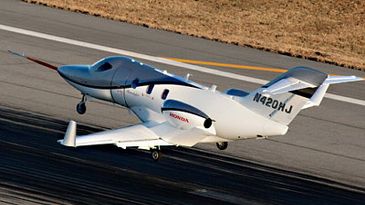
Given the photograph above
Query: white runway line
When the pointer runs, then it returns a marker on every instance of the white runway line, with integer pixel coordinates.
(345, 99)
(159, 60)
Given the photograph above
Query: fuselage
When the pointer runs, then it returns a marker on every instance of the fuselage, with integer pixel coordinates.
(144, 89)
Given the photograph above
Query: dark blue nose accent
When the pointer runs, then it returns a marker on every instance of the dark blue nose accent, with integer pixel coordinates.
(63, 71)
(75, 73)
(85, 75)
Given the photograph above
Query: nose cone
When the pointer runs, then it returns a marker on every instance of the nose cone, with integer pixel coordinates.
(74, 73)
(64, 71)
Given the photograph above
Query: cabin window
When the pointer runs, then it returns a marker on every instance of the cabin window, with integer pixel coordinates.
(149, 88)
(104, 67)
(164, 94)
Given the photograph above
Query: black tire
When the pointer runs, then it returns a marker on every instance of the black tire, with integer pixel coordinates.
(156, 155)
(222, 145)
(81, 108)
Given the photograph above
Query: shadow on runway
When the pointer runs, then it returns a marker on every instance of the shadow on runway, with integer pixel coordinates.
(34, 168)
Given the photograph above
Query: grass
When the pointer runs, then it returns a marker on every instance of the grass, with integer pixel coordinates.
(330, 31)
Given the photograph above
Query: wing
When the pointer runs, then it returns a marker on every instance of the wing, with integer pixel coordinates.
(140, 136)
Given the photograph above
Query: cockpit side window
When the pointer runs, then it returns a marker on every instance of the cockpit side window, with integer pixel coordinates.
(104, 67)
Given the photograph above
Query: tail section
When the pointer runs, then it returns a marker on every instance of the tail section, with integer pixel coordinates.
(285, 96)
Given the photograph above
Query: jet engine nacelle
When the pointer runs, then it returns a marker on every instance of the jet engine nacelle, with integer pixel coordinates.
(184, 116)
(183, 120)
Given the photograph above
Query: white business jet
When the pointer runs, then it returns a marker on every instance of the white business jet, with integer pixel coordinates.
(175, 111)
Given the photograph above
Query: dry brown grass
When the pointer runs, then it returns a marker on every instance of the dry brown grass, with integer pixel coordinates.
(331, 31)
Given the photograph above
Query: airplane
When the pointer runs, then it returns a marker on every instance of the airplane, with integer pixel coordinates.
(175, 111)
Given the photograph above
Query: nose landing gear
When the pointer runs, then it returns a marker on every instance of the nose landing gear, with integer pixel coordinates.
(222, 145)
(81, 107)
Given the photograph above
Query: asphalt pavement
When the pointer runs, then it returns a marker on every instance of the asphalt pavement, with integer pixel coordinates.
(35, 170)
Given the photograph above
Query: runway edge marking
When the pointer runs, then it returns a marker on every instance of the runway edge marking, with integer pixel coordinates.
(159, 60)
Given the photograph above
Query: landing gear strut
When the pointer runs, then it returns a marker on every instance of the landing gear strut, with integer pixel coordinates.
(81, 107)
(156, 154)
(222, 145)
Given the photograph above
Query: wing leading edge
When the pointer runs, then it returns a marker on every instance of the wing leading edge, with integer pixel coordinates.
(139, 136)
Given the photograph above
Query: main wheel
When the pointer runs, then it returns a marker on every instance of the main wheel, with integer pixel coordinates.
(156, 155)
(81, 108)
(222, 145)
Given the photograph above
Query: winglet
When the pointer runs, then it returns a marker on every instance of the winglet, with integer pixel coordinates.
(34, 60)
(70, 137)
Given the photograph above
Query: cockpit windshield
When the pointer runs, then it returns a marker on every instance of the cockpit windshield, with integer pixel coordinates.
(108, 63)
(104, 67)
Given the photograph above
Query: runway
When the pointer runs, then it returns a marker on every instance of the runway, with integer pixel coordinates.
(326, 142)
(47, 173)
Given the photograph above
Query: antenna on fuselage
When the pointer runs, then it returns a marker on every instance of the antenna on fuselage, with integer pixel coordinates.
(187, 76)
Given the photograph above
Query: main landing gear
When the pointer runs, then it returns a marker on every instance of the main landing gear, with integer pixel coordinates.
(156, 154)
(222, 145)
(81, 107)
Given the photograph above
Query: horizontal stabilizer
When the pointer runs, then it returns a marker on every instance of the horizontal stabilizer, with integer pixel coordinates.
(341, 79)
(317, 97)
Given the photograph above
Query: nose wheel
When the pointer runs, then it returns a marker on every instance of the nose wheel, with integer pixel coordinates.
(81, 107)
(222, 145)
